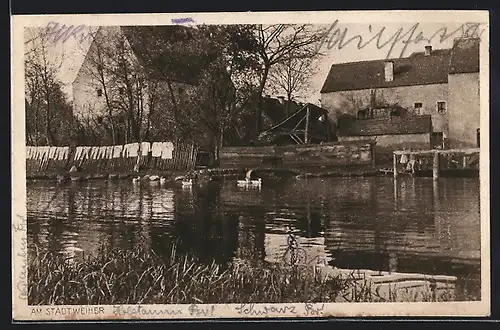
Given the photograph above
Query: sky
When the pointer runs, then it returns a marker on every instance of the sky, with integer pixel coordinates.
(369, 42)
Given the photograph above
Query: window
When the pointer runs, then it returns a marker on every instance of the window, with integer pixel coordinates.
(99, 92)
(121, 90)
(418, 108)
(441, 107)
(437, 140)
(180, 90)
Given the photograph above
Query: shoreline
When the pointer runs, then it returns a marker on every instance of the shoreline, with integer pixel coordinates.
(238, 173)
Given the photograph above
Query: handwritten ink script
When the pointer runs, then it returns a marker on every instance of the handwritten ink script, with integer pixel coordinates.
(182, 20)
(310, 309)
(338, 37)
(119, 310)
(251, 309)
(22, 258)
(56, 33)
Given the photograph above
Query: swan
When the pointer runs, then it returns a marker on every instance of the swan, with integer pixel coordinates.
(257, 182)
(187, 183)
(249, 182)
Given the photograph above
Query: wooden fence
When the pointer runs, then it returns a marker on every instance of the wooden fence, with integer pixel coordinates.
(161, 156)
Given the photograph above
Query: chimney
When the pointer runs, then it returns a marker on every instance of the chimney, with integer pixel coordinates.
(281, 99)
(389, 71)
(428, 50)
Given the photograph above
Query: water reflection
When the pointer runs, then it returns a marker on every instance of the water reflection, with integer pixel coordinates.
(412, 225)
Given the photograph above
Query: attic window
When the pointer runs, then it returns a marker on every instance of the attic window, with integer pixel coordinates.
(441, 107)
(418, 108)
(99, 92)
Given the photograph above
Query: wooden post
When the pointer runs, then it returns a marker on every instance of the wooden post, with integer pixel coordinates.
(395, 164)
(435, 166)
(306, 134)
(464, 161)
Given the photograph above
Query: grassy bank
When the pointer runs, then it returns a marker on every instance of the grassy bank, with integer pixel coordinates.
(142, 277)
(131, 277)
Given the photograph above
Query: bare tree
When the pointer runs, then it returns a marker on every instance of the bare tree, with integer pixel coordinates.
(281, 43)
(45, 101)
(113, 65)
(292, 77)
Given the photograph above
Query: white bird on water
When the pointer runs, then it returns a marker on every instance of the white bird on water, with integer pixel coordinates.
(249, 182)
(187, 183)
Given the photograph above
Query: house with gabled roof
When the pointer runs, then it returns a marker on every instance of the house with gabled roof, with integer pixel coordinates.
(442, 84)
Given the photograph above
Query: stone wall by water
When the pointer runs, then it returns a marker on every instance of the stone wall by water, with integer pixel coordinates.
(299, 156)
(160, 156)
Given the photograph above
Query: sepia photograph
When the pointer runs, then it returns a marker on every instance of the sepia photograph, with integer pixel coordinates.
(208, 165)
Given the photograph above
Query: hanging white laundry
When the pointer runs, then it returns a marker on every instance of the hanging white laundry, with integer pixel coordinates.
(46, 152)
(64, 153)
(35, 153)
(28, 152)
(167, 149)
(60, 155)
(102, 152)
(78, 153)
(86, 152)
(133, 150)
(125, 150)
(52, 152)
(117, 151)
(109, 152)
(93, 152)
(56, 153)
(145, 148)
(156, 149)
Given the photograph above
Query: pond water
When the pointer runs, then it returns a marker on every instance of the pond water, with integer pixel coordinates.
(412, 225)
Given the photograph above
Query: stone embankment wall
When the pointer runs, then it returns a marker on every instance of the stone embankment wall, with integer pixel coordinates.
(299, 156)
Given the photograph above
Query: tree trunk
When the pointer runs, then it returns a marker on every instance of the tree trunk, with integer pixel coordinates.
(288, 103)
(260, 103)
(48, 130)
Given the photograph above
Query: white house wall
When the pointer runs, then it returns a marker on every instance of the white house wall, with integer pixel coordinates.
(463, 109)
(406, 96)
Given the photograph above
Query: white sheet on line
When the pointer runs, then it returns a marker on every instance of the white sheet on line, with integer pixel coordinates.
(156, 149)
(117, 151)
(167, 150)
(145, 146)
(133, 149)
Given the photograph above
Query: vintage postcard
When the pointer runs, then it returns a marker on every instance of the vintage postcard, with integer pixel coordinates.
(250, 165)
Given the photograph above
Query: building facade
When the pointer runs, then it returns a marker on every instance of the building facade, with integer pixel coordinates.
(443, 84)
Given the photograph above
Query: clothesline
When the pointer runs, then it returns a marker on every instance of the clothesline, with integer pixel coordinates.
(163, 150)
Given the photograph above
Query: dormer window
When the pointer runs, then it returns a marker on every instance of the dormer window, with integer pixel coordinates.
(441, 107)
(99, 92)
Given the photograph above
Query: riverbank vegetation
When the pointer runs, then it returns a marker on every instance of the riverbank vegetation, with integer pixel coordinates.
(142, 277)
